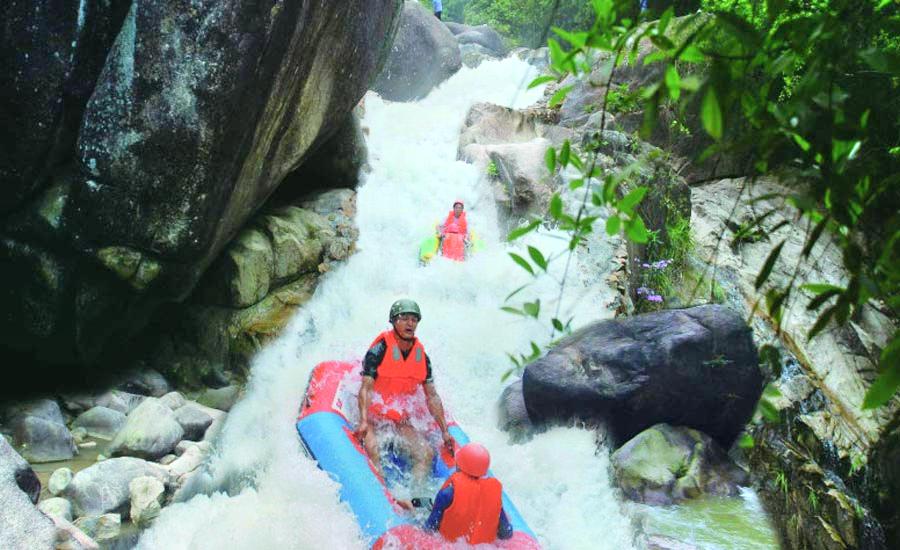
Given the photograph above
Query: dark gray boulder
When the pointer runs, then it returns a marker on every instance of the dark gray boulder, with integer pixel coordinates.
(695, 367)
(666, 464)
(153, 136)
(145, 382)
(22, 525)
(425, 53)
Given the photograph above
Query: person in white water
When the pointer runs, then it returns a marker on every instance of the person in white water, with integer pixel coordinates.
(393, 369)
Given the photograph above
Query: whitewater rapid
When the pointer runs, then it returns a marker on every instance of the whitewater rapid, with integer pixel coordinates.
(260, 491)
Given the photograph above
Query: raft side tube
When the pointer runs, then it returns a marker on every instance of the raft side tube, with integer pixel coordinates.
(329, 439)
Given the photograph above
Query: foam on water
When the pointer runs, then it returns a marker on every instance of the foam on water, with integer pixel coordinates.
(264, 492)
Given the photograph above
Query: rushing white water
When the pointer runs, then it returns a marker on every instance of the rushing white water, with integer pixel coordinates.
(264, 493)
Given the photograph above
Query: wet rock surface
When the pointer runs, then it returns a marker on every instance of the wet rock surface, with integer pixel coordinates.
(24, 526)
(103, 487)
(151, 431)
(140, 164)
(839, 461)
(666, 464)
(694, 367)
(425, 53)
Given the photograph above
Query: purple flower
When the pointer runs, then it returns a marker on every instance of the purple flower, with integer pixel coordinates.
(644, 291)
(654, 298)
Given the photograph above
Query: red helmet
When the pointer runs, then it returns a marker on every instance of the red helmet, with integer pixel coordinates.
(473, 459)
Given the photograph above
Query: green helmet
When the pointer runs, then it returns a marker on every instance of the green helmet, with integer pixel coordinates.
(404, 306)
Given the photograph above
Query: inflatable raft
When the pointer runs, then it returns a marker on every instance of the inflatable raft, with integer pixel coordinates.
(451, 246)
(326, 426)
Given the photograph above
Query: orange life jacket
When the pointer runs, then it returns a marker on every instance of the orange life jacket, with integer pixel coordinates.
(475, 510)
(456, 225)
(397, 377)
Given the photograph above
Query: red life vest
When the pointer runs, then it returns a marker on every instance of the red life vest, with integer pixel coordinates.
(475, 510)
(456, 225)
(397, 377)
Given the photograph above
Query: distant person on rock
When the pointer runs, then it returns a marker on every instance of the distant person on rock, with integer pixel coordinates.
(438, 8)
(454, 233)
(470, 506)
(393, 370)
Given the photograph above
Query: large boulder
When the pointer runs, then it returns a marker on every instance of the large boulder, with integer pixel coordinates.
(151, 431)
(695, 367)
(41, 440)
(425, 53)
(194, 421)
(45, 409)
(141, 163)
(666, 464)
(21, 524)
(100, 422)
(104, 487)
(482, 35)
(522, 182)
(145, 382)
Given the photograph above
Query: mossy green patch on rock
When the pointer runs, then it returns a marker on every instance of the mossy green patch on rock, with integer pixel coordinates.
(121, 260)
(665, 464)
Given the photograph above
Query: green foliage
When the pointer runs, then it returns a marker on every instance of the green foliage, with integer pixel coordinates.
(807, 84)
(492, 170)
(622, 100)
(525, 22)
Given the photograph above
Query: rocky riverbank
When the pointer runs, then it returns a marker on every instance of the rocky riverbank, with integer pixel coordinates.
(106, 463)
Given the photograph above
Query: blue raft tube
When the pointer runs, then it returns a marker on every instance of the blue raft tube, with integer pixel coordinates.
(328, 437)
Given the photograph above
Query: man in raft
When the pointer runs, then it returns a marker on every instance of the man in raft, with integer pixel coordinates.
(393, 369)
(454, 233)
(469, 505)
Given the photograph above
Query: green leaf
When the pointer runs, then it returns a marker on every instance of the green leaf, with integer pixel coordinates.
(522, 262)
(557, 325)
(612, 225)
(556, 206)
(692, 54)
(884, 387)
(767, 267)
(537, 257)
(821, 322)
(514, 311)
(662, 42)
(550, 159)
(814, 236)
(711, 114)
(768, 410)
(541, 80)
(636, 231)
(516, 291)
(746, 441)
(532, 308)
(664, 20)
(564, 153)
(673, 82)
(632, 199)
(576, 183)
(524, 230)
(559, 96)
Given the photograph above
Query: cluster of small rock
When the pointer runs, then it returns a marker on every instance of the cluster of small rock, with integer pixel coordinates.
(157, 441)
